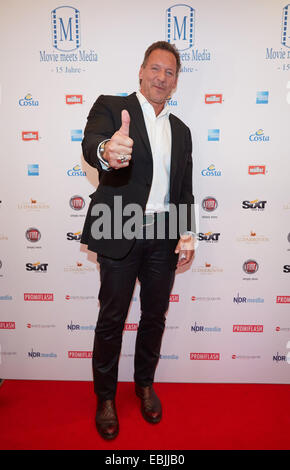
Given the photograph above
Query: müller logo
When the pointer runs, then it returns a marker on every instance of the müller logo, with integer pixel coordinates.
(248, 328)
(213, 98)
(257, 169)
(204, 356)
(38, 297)
(74, 99)
(29, 135)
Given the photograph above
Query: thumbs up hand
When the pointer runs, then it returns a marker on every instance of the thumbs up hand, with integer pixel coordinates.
(118, 149)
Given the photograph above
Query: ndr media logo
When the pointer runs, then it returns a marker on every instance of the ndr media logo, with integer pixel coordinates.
(65, 23)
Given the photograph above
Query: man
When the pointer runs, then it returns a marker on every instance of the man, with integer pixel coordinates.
(143, 155)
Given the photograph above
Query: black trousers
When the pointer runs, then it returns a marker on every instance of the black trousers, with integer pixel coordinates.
(150, 261)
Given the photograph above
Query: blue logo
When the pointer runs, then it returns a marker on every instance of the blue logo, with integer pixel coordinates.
(211, 171)
(76, 171)
(28, 101)
(121, 94)
(213, 135)
(65, 23)
(33, 169)
(180, 21)
(285, 39)
(76, 135)
(259, 136)
(262, 97)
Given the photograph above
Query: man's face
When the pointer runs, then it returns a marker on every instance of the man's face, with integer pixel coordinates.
(158, 77)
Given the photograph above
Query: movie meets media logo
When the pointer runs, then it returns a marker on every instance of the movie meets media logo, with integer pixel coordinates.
(180, 30)
(66, 42)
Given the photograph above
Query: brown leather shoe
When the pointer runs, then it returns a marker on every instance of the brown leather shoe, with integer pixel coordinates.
(150, 404)
(107, 420)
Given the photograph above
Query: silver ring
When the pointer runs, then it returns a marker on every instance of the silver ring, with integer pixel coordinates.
(123, 158)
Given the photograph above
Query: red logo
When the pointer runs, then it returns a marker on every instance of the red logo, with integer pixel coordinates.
(29, 135)
(193, 298)
(248, 328)
(7, 325)
(283, 299)
(257, 170)
(204, 356)
(213, 98)
(33, 235)
(38, 297)
(250, 266)
(80, 354)
(277, 328)
(174, 298)
(74, 99)
(131, 327)
(77, 203)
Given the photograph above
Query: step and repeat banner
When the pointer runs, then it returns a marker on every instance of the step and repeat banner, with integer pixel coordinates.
(229, 314)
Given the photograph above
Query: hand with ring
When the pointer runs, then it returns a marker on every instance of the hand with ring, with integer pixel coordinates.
(118, 150)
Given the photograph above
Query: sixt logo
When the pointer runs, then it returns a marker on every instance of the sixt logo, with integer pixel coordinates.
(65, 25)
(74, 236)
(37, 267)
(209, 237)
(255, 205)
(259, 136)
(28, 101)
(180, 26)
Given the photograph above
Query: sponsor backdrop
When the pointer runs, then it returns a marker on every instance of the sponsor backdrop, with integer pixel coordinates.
(229, 315)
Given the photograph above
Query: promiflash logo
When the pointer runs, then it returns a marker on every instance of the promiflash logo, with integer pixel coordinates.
(180, 26)
(65, 28)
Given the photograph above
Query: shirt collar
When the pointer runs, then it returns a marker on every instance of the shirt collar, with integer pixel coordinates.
(144, 103)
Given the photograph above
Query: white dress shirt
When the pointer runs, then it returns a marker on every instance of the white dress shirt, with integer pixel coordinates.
(159, 133)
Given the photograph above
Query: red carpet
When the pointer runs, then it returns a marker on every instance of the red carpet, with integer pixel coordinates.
(60, 415)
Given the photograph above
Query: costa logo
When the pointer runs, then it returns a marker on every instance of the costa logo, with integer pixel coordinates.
(33, 235)
(250, 266)
(77, 203)
(209, 204)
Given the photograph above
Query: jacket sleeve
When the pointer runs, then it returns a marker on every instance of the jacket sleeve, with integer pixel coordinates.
(100, 126)
(186, 192)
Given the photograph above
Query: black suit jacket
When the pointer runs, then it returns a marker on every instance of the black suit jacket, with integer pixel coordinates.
(133, 182)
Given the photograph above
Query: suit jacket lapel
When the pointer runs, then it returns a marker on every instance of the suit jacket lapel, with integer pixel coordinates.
(137, 119)
(174, 148)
